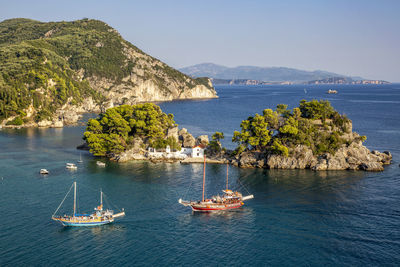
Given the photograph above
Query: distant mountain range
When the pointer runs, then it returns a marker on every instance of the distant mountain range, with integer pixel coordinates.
(260, 74)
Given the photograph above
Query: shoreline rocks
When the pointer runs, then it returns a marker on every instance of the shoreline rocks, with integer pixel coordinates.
(352, 157)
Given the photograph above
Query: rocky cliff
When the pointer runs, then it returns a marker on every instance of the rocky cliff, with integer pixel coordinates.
(350, 156)
(51, 72)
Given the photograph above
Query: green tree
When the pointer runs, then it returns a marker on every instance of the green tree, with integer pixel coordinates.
(215, 144)
(115, 129)
(254, 133)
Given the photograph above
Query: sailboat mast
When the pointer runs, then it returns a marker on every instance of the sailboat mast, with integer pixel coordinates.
(74, 198)
(204, 175)
(101, 199)
(227, 167)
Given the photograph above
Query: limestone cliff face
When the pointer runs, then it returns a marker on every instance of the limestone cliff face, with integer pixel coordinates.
(150, 80)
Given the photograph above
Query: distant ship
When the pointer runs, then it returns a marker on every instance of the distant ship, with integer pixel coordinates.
(332, 91)
(228, 200)
(98, 217)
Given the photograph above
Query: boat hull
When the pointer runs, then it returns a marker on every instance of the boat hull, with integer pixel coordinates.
(74, 224)
(215, 207)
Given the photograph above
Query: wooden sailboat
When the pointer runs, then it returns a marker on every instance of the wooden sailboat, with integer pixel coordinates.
(98, 217)
(229, 199)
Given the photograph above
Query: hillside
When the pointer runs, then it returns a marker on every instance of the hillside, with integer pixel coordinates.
(51, 72)
(263, 74)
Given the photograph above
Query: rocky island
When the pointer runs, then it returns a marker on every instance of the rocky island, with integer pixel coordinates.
(52, 72)
(311, 136)
(141, 132)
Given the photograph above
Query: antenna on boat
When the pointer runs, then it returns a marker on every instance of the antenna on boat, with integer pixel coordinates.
(227, 168)
(204, 175)
(74, 198)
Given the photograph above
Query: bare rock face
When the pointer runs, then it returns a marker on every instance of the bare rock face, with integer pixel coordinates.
(251, 160)
(131, 154)
(135, 153)
(352, 157)
(45, 123)
(202, 140)
(149, 80)
(173, 132)
(186, 138)
(302, 158)
(371, 166)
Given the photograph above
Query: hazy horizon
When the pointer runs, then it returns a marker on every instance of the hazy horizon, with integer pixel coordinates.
(357, 38)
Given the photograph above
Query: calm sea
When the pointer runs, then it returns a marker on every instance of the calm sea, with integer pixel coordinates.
(298, 217)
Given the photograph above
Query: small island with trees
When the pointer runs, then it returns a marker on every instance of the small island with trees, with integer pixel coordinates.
(311, 136)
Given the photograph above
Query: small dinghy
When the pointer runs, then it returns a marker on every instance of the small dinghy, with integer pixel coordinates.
(100, 164)
(44, 171)
(71, 166)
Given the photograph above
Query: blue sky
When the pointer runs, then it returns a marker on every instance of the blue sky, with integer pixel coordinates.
(353, 37)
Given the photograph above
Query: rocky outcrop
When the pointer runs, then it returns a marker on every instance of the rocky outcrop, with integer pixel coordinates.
(186, 139)
(137, 152)
(202, 140)
(352, 157)
(173, 132)
(149, 80)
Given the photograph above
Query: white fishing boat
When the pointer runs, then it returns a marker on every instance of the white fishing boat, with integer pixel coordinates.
(100, 164)
(44, 171)
(71, 166)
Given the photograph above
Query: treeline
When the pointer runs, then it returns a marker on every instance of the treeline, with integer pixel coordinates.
(115, 130)
(32, 76)
(314, 124)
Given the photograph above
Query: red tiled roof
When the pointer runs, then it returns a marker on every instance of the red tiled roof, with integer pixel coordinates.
(200, 145)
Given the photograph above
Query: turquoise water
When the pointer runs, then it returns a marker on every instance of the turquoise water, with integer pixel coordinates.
(298, 217)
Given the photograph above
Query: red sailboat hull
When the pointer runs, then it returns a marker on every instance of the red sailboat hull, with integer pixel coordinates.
(216, 207)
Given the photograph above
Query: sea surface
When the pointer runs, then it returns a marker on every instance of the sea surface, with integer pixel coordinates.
(297, 218)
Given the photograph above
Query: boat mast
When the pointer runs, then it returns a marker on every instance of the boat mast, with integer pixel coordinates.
(101, 199)
(204, 175)
(74, 199)
(227, 167)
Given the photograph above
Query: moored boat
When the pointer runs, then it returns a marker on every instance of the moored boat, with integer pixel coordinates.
(98, 217)
(44, 171)
(80, 158)
(71, 166)
(100, 164)
(229, 199)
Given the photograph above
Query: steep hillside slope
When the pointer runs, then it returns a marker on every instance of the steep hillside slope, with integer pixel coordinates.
(50, 72)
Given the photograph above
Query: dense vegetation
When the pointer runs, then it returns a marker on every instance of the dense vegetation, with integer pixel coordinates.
(40, 62)
(314, 124)
(115, 130)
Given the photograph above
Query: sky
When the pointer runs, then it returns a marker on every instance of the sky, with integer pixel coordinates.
(350, 37)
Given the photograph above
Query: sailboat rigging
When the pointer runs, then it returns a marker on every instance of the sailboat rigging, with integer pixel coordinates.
(229, 199)
(98, 217)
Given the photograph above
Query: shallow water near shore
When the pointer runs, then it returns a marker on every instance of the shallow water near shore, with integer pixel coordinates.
(298, 217)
